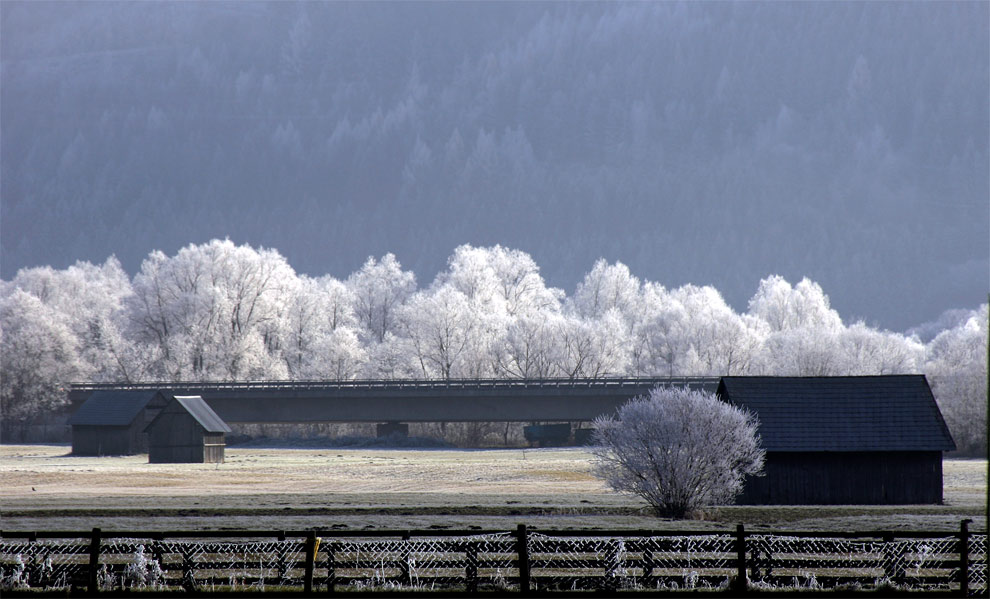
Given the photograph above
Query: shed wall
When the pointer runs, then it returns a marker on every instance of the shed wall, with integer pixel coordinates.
(213, 448)
(176, 438)
(95, 440)
(835, 478)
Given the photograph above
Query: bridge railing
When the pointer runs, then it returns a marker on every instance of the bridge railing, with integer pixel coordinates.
(482, 383)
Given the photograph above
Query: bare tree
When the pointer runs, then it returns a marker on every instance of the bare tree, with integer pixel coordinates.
(678, 449)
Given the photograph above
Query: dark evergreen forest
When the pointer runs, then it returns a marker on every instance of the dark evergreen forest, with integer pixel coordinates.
(708, 143)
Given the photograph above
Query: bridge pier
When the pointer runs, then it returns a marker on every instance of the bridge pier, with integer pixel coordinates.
(392, 429)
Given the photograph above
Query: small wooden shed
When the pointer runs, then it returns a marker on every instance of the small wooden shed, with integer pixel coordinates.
(187, 430)
(844, 440)
(113, 422)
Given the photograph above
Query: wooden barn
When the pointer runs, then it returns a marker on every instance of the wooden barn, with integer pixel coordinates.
(844, 440)
(187, 430)
(113, 422)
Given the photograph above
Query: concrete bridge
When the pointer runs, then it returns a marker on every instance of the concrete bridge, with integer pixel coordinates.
(459, 400)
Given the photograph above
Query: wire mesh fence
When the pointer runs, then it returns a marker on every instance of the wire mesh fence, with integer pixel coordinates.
(47, 564)
(977, 571)
(631, 563)
(817, 562)
(504, 561)
(194, 564)
(472, 562)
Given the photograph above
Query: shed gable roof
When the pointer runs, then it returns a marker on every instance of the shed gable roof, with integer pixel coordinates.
(199, 410)
(855, 413)
(113, 408)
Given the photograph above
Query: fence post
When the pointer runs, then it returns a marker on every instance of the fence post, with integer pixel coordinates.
(522, 548)
(310, 562)
(741, 581)
(188, 569)
(94, 562)
(964, 558)
(471, 569)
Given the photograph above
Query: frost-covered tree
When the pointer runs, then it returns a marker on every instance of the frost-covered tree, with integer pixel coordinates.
(804, 352)
(393, 358)
(592, 348)
(956, 365)
(90, 300)
(868, 351)
(680, 450)
(38, 356)
(607, 287)
(499, 279)
(661, 338)
(379, 288)
(784, 307)
(720, 341)
(320, 332)
(213, 311)
(530, 347)
(804, 331)
(442, 328)
(692, 331)
(337, 355)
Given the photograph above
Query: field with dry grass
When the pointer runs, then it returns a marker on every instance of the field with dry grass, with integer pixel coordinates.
(42, 487)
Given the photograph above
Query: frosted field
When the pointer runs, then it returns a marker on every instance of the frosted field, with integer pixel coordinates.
(42, 487)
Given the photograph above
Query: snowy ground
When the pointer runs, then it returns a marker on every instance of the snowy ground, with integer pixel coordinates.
(42, 487)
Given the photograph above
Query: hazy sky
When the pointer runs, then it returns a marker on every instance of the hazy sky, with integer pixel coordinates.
(713, 143)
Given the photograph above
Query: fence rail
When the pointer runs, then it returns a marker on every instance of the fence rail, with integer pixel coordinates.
(476, 561)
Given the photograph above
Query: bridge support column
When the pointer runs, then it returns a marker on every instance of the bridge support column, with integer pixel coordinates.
(392, 429)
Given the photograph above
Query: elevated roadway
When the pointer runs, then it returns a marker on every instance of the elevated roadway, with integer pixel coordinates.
(459, 400)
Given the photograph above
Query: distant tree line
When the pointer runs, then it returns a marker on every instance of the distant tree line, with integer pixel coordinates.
(219, 312)
(839, 131)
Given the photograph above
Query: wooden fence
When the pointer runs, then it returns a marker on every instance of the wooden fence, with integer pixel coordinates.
(519, 561)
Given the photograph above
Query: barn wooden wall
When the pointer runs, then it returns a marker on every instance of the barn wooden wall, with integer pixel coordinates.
(176, 438)
(213, 447)
(831, 478)
(99, 440)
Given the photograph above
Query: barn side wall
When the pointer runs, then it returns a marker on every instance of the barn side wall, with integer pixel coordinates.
(175, 438)
(835, 478)
(95, 440)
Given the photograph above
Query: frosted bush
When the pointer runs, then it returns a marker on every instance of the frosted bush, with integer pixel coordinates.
(142, 572)
(18, 577)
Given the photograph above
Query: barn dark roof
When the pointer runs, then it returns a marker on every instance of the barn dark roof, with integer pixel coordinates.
(856, 413)
(112, 408)
(202, 412)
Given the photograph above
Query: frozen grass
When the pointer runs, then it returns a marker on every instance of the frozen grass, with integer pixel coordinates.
(43, 488)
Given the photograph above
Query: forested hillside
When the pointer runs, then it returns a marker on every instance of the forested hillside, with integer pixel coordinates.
(221, 312)
(706, 143)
